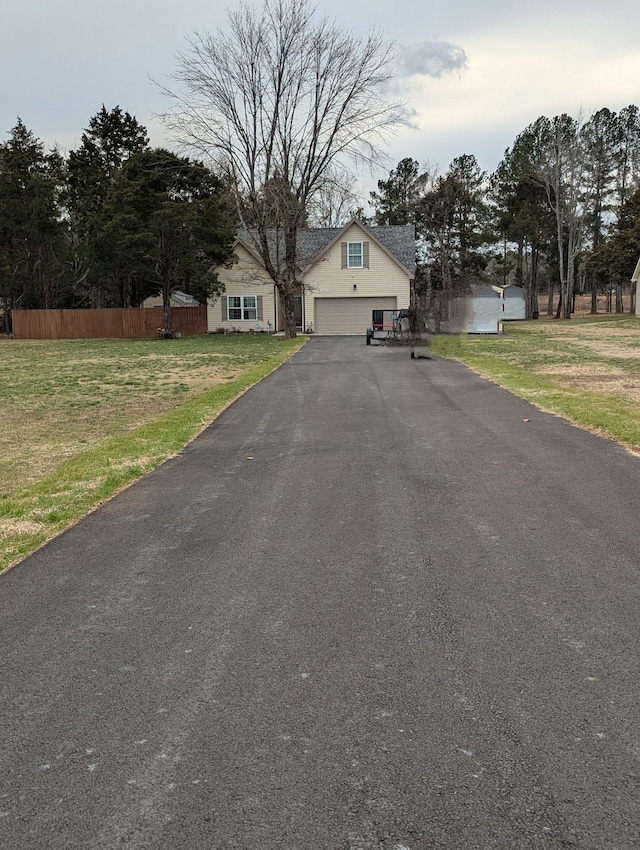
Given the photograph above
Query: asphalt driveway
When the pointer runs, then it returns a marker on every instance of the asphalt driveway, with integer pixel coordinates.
(380, 604)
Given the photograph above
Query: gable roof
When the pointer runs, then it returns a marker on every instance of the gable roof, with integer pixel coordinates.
(509, 290)
(486, 290)
(635, 277)
(183, 299)
(397, 240)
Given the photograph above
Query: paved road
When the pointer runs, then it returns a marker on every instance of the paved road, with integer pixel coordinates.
(379, 605)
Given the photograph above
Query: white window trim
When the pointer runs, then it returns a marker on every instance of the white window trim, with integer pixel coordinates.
(244, 309)
(351, 265)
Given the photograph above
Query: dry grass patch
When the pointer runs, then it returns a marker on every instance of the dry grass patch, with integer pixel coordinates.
(597, 378)
(12, 528)
(612, 349)
(600, 382)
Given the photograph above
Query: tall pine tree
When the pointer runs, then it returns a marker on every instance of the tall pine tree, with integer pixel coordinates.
(30, 225)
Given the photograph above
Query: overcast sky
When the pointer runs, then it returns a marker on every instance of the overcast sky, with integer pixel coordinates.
(476, 73)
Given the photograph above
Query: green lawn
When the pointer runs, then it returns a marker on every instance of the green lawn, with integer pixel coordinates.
(586, 370)
(83, 418)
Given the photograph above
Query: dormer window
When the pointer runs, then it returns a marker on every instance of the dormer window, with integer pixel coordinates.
(354, 255)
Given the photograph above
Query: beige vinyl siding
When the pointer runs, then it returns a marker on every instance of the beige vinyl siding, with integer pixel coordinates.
(328, 279)
(246, 277)
(348, 315)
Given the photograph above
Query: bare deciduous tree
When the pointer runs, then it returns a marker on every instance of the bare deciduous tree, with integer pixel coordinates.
(281, 102)
(560, 170)
(335, 203)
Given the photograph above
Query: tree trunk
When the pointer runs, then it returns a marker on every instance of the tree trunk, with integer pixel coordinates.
(531, 287)
(550, 290)
(520, 263)
(289, 287)
(573, 252)
(165, 286)
(560, 301)
(166, 313)
(435, 310)
(287, 297)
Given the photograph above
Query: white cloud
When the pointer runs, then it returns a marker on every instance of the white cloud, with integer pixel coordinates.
(431, 59)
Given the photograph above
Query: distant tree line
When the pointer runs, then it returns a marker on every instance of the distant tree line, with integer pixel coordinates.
(560, 214)
(116, 220)
(108, 225)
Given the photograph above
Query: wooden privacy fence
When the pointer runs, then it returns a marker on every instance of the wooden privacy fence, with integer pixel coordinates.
(106, 323)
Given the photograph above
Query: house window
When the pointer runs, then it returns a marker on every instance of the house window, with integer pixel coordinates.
(354, 255)
(242, 307)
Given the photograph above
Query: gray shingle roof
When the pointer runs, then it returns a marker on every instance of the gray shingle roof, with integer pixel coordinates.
(399, 240)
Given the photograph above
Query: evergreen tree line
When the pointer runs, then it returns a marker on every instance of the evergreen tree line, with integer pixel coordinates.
(560, 215)
(108, 225)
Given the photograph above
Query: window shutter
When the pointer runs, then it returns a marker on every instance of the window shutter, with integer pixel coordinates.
(343, 249)
(259, 306)
(365, 255)
(223, 301)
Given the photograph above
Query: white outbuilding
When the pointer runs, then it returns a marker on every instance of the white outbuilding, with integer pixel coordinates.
(635, 278)
(515, 302)
(489, 306)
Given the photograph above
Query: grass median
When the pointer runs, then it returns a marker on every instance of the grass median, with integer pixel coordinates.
(81, 419)
(585, 370)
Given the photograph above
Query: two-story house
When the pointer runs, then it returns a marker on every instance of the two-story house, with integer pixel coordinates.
(344, 274)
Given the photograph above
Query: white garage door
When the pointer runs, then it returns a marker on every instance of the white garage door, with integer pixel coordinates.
(348, 315)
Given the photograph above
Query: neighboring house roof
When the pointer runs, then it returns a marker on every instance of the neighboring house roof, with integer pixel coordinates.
(397, 240)
(510, 291)
(635, 277)
(486, 291)
(178, 299)
(182, 299)
(491, 290)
